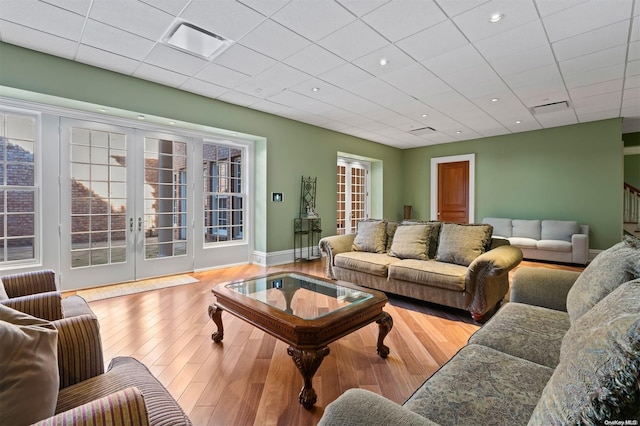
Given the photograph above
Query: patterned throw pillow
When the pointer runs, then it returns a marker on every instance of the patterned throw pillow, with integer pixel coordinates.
(609, 269)
(597, 378)
(371, 236)
(411, 242)
(461, 244)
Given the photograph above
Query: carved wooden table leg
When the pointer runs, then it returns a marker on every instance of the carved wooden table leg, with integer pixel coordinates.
(308, 363)
(215, 313)
(385, 324)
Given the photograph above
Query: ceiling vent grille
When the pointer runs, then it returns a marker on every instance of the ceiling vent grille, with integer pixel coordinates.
(197, 41)
(552, 107)
(423, 131)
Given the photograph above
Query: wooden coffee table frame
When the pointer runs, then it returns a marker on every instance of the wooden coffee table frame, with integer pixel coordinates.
(308, 339)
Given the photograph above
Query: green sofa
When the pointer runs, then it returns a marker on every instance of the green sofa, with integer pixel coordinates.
(565, 350)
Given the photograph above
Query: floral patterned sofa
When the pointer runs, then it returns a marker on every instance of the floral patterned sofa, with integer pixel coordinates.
(565, 350)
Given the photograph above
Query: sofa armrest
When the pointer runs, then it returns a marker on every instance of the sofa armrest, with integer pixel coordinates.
(361, 407)
(26, 283)
(79, 349)
(580, 248)
(122, 408)
(46, 306)
(542, 287)
(331, 246)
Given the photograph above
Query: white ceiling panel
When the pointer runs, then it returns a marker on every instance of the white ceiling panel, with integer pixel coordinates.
(634, 51)
(604, 102)
(245, 60)
(274, 40)
(556, 119)
(43, 17)
(594, 76)
(632, 82)
(203, 88)
(524, 60)
(598, 115)
(434, 41)
(107, 60)
(221, 76)
(266, 7)
(345, 76)
(105, 37)
(239, 98)
(171, 59)
(362, 7)
(353, 41)
(37, 40)
(549, 7)
(160, 75)
(395, 59)
(141, 19)
(398, 19)
(633, 68)
(313, 19)
(227, 18)
(594, 61)
(456, 7)
(514, 41)
(80, 7)
(274, 80)
(597, 89)
(314, 60)
(417, 81)
(475, 23)
(594, 41)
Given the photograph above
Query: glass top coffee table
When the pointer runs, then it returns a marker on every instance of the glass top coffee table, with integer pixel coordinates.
(303, 311)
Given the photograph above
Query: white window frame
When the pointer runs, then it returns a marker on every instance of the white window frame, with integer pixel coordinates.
(350, 163)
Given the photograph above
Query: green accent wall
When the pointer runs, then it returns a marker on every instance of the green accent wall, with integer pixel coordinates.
(632, 161)
(564, 173)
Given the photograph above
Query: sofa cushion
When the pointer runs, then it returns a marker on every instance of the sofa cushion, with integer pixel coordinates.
(370, 263)
(461, 244)
(522, 242)
(391, 231)
(526, 228)
(525, 331)
(609, 269)
(554, 245)
(371, 236)
(559, 230)
(597, 378)
(435, 274)
(29, 378)
(411, 242)
(434, 236)
(501, 227)
(481, 386)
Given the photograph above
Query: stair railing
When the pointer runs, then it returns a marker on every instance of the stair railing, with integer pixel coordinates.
(631, 204)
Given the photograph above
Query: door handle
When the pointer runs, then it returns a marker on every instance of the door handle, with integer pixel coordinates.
(131, 224)
(139, 224)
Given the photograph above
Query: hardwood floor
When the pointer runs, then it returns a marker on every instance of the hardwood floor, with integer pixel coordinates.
(249, 378)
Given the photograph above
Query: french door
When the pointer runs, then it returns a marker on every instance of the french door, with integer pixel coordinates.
(125, 204)
(353, 202)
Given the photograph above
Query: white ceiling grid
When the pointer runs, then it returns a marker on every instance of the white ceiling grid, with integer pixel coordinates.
(318, 61)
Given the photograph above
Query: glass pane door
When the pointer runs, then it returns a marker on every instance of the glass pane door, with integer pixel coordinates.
(352, 195)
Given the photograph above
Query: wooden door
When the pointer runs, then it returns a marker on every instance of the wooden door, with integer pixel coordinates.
(453, 192)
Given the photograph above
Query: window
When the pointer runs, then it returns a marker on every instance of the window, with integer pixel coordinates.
(18, 188)
(224, 196)
(352, 194)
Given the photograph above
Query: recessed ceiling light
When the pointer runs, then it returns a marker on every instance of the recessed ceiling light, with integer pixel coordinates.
(518, 122)
(496, 17)
(172, 122)
(141, 117)
(192, 39)
(384, 62)
(315, 89)
(425, 115)
(458, 132)
(102, 110)
(495, 99)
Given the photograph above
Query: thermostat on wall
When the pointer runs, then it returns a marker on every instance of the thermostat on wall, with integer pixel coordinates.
(277, 197)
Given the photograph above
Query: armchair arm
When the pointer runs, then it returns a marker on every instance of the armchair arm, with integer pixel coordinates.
(543, 287)
(47, 305)
(26, 283)
(358, 407)
(488, 277)
(580, 248)
(79, 349)
(334, 245)
(123, 408)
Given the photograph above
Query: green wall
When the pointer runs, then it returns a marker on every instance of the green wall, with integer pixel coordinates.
(565, 173)
(292, 148)
(632, 162)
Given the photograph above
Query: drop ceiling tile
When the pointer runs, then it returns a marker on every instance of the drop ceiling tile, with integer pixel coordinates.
(37, 40)
(399, 19)
(353, 41)
(203, 88)
(594, 61)
(635, 27)
(77, 6)
(111, 39)
(524, 60)
(416, 81)
(314, 60)
(475, 82)
(272, 81)
(604, 102)
(244, 60)
(361, 7)
(221, 76)
(227, 18)
(43, 17)
(271, 107)
(266, 7)
(592, 41)
(174, 7)
(597, 89)
(107, 60)
(536, 76)
(456, 7)
(345, 76)
(434, 41)
(633, 68)
(598, 115)
(631, 99)
(632, 81)
(174, 60)
(475, 23)
(376, 89)
(239, 98)
(585, 17)
(396, 60)
(459, 59)
(557, 119)
(594, 76)
(634, 51)
(532, 97)
(140, 18)
(549, 7)
(524, 126)
(274, 40)
(160, 75)
(511, 42)
(313, 19)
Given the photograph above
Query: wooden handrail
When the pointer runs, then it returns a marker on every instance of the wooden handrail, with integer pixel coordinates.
(632, 188)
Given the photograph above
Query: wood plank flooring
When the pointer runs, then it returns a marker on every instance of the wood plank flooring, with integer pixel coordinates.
(249, 379)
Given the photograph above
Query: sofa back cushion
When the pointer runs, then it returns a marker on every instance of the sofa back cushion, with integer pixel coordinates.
(434, 235)
(391, 231)
(411, 242)
(607, 271)
(597, 378)
(29, 378)
(526, 228)
(559, 229)
(371, 236)
(461, 244)
(501, 226)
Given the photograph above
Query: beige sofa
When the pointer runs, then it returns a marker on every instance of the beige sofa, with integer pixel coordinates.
(563, 241)
(564, 351)
(453, 265)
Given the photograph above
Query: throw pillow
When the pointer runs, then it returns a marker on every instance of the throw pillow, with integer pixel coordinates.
(391, 230)
(461, 244)
(28, 368)
(597, 378)
(434, 235)
(411, 242)
(371, 236)
(609, 269)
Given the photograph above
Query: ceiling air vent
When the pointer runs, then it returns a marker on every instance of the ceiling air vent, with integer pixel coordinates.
(423, 131)
(195, 40)
(552, 107)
